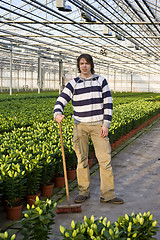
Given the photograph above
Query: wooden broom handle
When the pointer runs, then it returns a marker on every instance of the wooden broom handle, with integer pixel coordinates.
(64, 164)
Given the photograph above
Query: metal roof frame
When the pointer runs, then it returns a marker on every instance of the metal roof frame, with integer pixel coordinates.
(37, 28)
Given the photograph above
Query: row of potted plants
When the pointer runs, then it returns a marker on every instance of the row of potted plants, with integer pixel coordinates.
(36, 153)
(32, 154)
(21, 110)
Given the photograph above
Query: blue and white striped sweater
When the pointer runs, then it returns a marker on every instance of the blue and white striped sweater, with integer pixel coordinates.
(91, 100)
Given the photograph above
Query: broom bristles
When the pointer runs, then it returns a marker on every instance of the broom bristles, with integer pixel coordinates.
(69, 208)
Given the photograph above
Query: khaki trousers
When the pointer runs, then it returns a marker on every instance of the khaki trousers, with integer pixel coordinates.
(81, 133)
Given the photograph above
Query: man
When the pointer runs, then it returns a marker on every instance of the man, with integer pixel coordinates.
(92, 113)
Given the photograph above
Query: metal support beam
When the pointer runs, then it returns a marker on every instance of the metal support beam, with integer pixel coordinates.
(82, 22)
(39, 74)
(149, 79)
(18, 76)
(1, 78)
(60, 75)
(11, 70)
(131, 81)
(114, 80)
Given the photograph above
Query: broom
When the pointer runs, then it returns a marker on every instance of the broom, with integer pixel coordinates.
(66, 208)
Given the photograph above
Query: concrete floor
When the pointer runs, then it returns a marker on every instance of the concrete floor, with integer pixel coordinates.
(136, 167)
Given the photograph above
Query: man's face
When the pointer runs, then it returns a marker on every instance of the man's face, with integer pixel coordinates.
(85, 68)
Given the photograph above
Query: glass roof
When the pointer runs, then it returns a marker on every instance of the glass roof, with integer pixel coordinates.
(122, 34)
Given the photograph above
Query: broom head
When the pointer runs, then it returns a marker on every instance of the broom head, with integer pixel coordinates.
(76, 208)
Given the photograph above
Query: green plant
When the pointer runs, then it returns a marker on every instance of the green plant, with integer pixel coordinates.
(71, 159)
(14, 183)
(134, 227)
(48, 170)
(37, 220)
(33, 175)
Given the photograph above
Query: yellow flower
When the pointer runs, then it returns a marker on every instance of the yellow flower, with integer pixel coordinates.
(26, 215)
(91, 232)
(104, 221)
(67, 234)
(73, 224)
(74, 234)
(62, 229)
(154, 223)
(134, 220)
(126, 217)
(110, 231)
(134, 235)
(13, 237)
(6, 234)
(28, 206)
(37, 198)
(141, 221)
(129, 229)
(102, 231)
(108, 224)
(150, 217)
(92, 219)
(40, 211)
(148, 213)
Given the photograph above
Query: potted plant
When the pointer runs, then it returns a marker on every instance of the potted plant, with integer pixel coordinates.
(71, 163)
(33, 175)
(14, 189)
(136, 226)
(59, 173)
(47, 174)
(37, 221)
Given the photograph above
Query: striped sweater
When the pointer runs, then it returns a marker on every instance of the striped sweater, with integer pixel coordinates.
(91, 100)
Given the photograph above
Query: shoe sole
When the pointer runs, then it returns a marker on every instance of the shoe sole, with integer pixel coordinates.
(76, 201)
(112, 202)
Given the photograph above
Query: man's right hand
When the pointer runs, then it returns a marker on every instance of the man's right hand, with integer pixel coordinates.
(59, 118)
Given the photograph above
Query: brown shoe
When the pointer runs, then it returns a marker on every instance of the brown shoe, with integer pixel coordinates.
(113, 201)
(81, 198)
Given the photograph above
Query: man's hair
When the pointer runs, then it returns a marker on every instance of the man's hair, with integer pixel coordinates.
(89, 60)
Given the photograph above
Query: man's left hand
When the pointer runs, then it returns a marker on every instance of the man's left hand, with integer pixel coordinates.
(104, 131)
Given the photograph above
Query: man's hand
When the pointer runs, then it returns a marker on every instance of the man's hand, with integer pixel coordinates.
(59, 118)
(104, 131)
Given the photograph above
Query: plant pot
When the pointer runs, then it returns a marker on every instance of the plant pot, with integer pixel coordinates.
(31, 198)
(47, 190)
(90, 160)
(91, 155)
(71, 174)
(59, 182)
(14, 213)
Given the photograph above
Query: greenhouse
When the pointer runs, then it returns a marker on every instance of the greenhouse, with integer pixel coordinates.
(43, 45)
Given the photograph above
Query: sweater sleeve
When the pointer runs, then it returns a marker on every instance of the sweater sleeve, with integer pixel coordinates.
(107, 103)
(63, 99)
